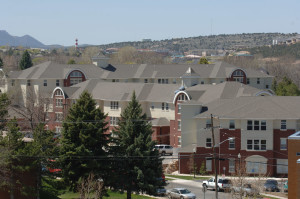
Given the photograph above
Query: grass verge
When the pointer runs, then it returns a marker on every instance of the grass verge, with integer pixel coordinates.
(187, 177)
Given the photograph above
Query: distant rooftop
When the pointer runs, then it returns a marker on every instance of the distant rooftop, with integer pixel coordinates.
(295, 136)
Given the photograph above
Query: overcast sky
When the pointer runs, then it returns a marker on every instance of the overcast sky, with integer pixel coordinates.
(103, 22)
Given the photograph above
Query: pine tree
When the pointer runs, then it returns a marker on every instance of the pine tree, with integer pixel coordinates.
(203, 60)
(140, 166)
(84, 142)
(287, 88)
(25, 61)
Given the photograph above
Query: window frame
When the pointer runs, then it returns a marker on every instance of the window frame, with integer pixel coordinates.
(179, 125)
(231, 143)
(285, 144)
(28, 83)
(45, 83)
(114, 105)
(283, 123)
(208, 143)
(58, 102)
(231, 124)
(57, 82)
(256, 145)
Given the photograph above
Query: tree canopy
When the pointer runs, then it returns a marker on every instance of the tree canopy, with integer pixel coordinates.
(203, 60)
(25, 61)
(140, 166)
(285, 88)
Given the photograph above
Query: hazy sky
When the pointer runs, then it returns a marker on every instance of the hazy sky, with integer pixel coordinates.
(102, 22)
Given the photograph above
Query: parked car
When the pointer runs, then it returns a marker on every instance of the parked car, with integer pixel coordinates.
(223, 184)
(161, 191)
(285, 186)
(245, 190)
(164, 149)
(180, 193)
(271, 185)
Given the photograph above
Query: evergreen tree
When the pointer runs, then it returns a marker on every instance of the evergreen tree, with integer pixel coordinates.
(84, 142)
(25, 61)
(287, 88)
(71, 61)
(1, 63)
(140, 166)
(13, 161)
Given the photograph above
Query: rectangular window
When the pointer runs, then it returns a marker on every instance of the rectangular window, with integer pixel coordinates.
(167, 81)
(208, 123)
(283, 125)
(208, 165)
(159, 81)
(174, 81)
(267, 86)
(249, 145)
(179, 108)
(28, 83)
(12, 82)
(167, 106)
(59, 102)
(248, 81)
(114, 105)
(232, 144)
(263, 125)
(163, 106)
(202, 82)
(283, 144)
(45, 82)
(179, 125)
(57, 82)
(58, 130)
(208, 143)
(152, 106)
(179, 140)
(258, 81)
(231, 124)
(249, 125)
(257, 145)
(114, 121)
(231, 165)
(256, 125)
(58, 117)
(145, 80)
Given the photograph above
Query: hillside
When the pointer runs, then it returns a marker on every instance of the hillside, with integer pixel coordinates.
(27, 41)
(228, 42)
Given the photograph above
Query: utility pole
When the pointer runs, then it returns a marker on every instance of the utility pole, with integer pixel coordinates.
(214, 157)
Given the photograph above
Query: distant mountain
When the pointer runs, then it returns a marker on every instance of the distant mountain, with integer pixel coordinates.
(26, 40)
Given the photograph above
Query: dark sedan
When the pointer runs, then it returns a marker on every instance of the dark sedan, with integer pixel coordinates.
(271, 185)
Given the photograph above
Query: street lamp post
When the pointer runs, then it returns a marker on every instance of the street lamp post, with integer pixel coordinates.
(239, 157)
(194, 151)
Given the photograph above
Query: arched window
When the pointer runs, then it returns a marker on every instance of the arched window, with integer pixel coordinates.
(76, 77)
(239, 76)
(58, 92)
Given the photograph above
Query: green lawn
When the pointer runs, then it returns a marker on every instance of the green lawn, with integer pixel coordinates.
(187, 177)
(113, 195)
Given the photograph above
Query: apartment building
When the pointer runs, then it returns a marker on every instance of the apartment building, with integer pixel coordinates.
(253, 130)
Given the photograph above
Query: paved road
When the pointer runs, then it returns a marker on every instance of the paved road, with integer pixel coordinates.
(196, 188)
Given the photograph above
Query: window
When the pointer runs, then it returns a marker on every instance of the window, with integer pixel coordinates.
(248, 81)
(256, 125)
(58, 92)
(57, 82)
(263, 125)
(283, 125)
(58, 129)
(258, 81)
(159, 81)
(145, 80)
(152, 106)
(202, 82)
(167, 106)
(179, 125)
(58, 117)
(114, 105)
(249, 125)
(59, 102)
(257, 145)
(163, 106)
(28, 82)
(208, 165)
(75, 74)
(174, 81)
(208, 123)
(114, 121)
(115, 80)
(76, 77)
(267, 86)
(283, 144)
(231, 165)
(182, 97)
(179, 140)
(45, 82)
(179, 108)
(12, 82)
(163, 81)
(75, 81)
(231, 124)
(232, 143)
(208, 143)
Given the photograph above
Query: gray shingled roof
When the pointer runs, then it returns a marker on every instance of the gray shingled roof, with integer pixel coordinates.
(162, 121)
(53, 70)
(264, 107)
